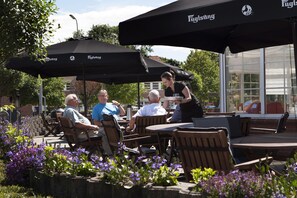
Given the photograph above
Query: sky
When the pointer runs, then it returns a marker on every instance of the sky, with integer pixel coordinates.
(111, 12)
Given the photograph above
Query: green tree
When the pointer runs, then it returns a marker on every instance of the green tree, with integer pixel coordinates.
(25, 26)
(105, 33)
(92, 89)
(205, 67)
(125, 93)
(53, 92)
(9, 81)
(29, 89)
(171, 61)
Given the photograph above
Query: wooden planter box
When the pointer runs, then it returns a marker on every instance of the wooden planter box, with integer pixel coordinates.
(81, 187)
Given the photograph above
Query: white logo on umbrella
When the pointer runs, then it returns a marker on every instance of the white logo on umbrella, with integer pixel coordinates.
(72, 58)
(246, 10)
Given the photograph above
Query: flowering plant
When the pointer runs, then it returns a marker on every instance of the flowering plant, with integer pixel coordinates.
(237, 184)
(128, 172)
(80, 164)
(24, 158)
(162, 174)
(201, 174)
(56, 161)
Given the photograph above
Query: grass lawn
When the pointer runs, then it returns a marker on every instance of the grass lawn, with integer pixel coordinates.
(12, 191)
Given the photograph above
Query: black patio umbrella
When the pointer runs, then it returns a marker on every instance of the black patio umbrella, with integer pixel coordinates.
(155, 68)
(81, 57)
(214, 25)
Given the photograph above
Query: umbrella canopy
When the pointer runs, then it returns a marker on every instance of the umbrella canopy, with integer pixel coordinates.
(214, 24)
(83, 56)
(155, 68)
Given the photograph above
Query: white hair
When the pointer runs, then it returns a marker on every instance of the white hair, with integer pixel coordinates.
(154, 94)
(102, 91)
(70, 97)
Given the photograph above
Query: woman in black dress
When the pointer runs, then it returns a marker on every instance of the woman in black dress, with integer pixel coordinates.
(189, 105)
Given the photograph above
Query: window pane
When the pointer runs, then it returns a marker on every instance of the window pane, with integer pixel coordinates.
(242, 75)
(280, 74)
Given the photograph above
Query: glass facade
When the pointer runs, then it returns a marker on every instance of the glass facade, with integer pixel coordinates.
(245, 88)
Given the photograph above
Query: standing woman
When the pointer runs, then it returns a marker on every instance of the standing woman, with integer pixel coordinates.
(190, 107)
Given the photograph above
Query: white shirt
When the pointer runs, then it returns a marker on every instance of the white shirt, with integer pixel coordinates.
(152, 109)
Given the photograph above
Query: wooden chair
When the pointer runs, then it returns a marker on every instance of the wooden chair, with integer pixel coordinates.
(71, 135)
(142, 122)
(281, 126)
(50, 125)
(115, 136)
(207, 148)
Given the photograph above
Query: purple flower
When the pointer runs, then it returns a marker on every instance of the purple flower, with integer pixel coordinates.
(135, 177)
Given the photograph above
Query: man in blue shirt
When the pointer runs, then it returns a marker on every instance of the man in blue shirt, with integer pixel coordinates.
(104, 107)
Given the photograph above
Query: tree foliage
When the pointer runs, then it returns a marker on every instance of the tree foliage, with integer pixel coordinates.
(205, 67)
(25, 26)
(53, 91)
(9, 81)
(92, 89)
(29, 89)
(125, 93)
(105, 33)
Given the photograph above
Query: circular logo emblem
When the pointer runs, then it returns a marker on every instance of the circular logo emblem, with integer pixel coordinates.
(246, 10)
(72, 58)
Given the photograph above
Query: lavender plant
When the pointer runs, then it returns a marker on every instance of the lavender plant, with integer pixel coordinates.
(81, 166)
(238, 184)
(24, 158)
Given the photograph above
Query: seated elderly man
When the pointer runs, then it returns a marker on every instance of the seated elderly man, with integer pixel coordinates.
(81, 122)
(152, 109)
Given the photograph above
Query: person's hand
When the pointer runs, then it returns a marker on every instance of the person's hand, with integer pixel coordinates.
(116, 103)
(128, 129)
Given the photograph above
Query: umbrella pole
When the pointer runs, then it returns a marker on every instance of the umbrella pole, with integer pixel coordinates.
(294, 29)
(138, 94)
(85, 93)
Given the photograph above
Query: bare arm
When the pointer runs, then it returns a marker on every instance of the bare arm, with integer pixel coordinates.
(187, 95)
(80, 125)
(165, 104)
(122, 110)
(131, 124)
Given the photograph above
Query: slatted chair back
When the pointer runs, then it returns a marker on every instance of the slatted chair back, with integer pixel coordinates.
(142, 122)
(115, 136)
(92, 144)
(203, 148)
(112, 132)
(70, 134)
(282, 122)
(51, 127)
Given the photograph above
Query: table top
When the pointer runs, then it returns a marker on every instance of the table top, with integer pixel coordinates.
(167, 128)
(266, 141)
